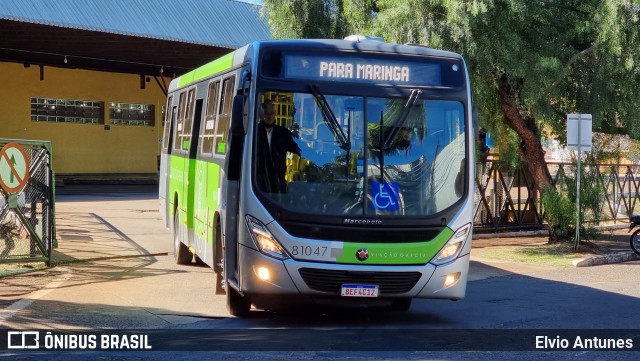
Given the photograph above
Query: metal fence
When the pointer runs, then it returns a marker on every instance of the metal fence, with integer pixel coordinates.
(508, 200)
(27, 214)
(505, 200)
(617, 188)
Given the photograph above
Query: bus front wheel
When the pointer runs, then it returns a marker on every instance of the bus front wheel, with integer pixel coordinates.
(237, 304)
(181, 252)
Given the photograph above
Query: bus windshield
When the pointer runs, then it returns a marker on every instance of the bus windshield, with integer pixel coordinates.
(343, 155)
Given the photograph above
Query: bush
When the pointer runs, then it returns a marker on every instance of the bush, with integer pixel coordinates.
(9, 231)
(559, 201)
(559, 211)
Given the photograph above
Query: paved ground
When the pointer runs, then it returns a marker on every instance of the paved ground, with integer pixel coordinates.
(85, 233)
(90, 219)
(125, 228)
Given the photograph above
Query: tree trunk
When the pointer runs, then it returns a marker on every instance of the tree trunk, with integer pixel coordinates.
(530, 145)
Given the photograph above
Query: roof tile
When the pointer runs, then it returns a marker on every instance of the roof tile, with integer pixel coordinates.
(223, 23)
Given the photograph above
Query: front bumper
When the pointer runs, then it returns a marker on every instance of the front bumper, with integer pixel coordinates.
(314, 279)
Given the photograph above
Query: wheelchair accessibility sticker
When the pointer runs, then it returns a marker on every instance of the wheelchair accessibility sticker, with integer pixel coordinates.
(385, 196)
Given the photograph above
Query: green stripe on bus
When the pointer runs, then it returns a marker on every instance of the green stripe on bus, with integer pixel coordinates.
(216, 66)
(396, 253)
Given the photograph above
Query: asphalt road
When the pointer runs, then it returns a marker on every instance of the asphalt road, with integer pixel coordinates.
(116, 272)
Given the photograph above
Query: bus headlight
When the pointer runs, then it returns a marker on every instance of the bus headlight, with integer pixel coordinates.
(452, 249)
(264, 240)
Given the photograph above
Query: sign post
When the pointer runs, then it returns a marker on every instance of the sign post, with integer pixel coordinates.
(579, 137)
(14, 168)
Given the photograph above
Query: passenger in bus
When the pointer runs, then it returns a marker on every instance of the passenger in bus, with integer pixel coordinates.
(274, 141)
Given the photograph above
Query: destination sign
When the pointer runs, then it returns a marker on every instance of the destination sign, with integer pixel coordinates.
(364, 71)
(373, 70)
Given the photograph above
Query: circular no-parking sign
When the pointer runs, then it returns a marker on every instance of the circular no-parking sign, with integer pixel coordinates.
(14, 168)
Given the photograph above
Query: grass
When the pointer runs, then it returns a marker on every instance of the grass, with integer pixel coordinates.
(561, 254)
(11, 269)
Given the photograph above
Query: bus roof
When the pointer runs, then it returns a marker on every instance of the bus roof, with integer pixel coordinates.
(370, 46)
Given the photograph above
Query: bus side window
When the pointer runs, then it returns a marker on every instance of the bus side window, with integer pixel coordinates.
(224, 115)
(167, 124)
(208, 131)
(188, 120)
(177, 134)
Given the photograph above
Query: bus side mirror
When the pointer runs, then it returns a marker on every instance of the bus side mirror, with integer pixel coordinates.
(233, 162)
(237, 116)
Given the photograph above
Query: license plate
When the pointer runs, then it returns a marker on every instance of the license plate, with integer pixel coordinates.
(359, 291)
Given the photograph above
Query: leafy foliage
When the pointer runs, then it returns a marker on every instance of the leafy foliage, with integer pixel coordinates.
(557, 57)
(559, 202)
(318, 19)
(531, 62)
(9, 231)
(9, 234)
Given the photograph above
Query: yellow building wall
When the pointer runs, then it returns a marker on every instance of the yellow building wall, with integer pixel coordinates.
(83, 148)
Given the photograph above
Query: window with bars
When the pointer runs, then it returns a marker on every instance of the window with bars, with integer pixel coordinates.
(208, 131)
(182, 138)
(67, 111)
(167, 123)
(131, 114)
(224, 115)
(213, 135)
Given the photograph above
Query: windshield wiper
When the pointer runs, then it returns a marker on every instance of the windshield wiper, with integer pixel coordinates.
(397, 124)
(401, 119)
(344, 141)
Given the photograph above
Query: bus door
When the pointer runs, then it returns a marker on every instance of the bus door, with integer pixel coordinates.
(165, 159)
(180, 161)
(236, 108)
(189, 173)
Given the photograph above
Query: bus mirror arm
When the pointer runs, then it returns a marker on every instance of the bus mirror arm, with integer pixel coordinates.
(476, 121)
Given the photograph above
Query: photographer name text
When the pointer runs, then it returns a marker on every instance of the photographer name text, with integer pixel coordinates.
(583, 343)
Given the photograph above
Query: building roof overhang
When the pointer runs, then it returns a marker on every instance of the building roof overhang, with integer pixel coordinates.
(50, 45)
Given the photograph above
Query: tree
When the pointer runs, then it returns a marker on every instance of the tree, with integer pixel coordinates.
(531, 62)
(315, 19)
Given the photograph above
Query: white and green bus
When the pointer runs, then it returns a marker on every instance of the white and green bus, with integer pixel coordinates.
(376, 203)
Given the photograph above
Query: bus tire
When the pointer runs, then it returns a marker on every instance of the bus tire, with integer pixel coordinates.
(237, 304)
(181, 252)
(401, 304)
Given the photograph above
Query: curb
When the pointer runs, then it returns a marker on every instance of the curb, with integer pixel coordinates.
(607, 259)
(523, 234)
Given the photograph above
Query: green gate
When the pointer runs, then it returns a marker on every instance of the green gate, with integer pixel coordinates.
(27, 212)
